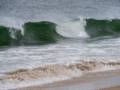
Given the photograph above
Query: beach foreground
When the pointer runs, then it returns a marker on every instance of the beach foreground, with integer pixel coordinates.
(113, 88)
(105, 80)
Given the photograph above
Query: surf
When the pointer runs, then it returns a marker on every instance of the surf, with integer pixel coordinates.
(44, 32)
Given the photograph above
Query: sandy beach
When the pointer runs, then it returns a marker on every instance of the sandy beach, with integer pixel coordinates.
(107, 80)
(112, 88)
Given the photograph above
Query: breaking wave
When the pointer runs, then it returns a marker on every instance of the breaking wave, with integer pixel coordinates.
(48, 32)
(54, 72)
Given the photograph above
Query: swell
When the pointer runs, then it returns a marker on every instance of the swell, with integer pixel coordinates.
(45, 32)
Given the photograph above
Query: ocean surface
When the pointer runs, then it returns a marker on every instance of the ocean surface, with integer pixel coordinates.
(40, 32)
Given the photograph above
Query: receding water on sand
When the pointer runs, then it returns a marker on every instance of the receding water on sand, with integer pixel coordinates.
(95, 85)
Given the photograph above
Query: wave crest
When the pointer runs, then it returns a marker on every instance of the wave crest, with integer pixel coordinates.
(49, 32)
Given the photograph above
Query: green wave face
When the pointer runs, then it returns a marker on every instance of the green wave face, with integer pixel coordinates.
(5, 38)
(39, 32)
(97, 28)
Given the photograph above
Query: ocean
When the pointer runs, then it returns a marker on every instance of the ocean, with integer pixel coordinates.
(37, 33)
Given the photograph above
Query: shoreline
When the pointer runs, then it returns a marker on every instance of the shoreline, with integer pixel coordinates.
(104, 80)
(112, 88)
(84, 71)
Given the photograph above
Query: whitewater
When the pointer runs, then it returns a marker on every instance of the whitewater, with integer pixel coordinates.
(43, 41)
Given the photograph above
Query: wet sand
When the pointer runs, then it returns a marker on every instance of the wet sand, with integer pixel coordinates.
(113, 88)
(107, 80)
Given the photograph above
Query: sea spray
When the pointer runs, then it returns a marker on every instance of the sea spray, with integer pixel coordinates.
(73, 29)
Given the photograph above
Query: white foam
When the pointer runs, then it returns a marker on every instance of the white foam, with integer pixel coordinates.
(12, 22)
(74, 29)
(10, 84)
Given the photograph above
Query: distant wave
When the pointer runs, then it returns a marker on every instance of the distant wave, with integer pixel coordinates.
(49, 32)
